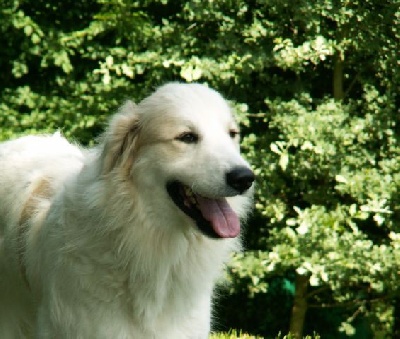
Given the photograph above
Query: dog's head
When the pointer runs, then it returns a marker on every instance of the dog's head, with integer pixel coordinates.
(182, 144)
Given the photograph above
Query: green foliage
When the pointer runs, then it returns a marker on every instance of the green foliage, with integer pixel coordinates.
(315, 85)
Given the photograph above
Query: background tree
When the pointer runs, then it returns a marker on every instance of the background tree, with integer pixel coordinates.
(315, 85)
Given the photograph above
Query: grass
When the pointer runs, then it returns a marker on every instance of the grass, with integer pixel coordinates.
(234, 334)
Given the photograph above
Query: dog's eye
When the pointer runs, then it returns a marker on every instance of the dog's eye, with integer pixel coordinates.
(233, 133)
(188, 137)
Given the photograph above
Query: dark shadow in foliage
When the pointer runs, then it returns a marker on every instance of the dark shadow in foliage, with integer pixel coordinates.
(265, 314)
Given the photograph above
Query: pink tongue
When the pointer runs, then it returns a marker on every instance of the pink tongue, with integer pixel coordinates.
(223, 219)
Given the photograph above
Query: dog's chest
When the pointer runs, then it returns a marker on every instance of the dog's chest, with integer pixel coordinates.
(165, 290)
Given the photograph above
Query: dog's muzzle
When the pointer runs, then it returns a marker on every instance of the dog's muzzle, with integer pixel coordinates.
(214, 217)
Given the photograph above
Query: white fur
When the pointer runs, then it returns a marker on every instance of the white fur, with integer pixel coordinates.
(92, 246)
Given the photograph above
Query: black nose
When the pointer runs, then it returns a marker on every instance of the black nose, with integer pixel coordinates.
(240, 178)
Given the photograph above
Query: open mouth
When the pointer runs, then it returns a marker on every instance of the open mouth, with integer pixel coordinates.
(214, 217)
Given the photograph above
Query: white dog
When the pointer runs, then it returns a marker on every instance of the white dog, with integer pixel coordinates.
(125, 240)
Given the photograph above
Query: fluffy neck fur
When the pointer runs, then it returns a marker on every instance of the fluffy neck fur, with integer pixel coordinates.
(150, 259)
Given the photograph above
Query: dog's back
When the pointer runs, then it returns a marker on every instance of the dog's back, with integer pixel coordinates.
(27, 162)
(32, 168)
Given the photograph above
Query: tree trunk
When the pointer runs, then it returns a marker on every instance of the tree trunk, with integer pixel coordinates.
(396, 318)
(299, 306)
(338, 64)
(338, 92)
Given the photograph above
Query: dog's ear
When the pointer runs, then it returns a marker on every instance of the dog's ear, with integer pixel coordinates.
(120, 138)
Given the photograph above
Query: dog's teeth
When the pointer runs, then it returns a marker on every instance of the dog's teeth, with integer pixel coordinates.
(190, 197)
(188, 192)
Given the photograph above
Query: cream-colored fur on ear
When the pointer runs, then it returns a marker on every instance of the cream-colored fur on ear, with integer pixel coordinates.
(119, 137)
